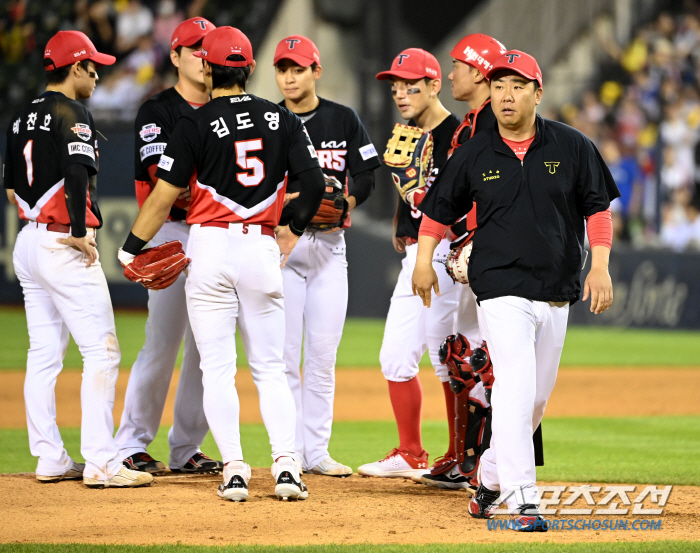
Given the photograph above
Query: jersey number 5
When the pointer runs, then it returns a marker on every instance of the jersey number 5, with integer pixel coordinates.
(255, 167)
(28, 160)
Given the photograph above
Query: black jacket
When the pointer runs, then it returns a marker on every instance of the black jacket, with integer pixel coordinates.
(530, 214)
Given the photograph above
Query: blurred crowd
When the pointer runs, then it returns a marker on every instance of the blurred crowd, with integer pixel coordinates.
(137, 32)
(644, 116)
(643, 112)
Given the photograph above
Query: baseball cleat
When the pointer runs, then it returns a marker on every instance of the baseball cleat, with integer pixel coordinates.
(143, 462)
(396, 464)
(288, 480)
(484, 503)
(75, 472)
(200, 464)
(529, 519)
(236, 478)
(125, 478)
(330, 467)
(450, 480)
(440, 465)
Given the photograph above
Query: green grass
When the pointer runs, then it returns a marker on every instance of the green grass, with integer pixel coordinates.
(362, 340)
(644, 547)
(653, 450)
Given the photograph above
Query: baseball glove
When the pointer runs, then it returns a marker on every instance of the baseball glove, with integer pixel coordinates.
(457, 263)
(157, 268)
(334, 206)
(410, 152)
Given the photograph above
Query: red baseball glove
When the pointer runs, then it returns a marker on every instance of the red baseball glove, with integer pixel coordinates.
(157, 268)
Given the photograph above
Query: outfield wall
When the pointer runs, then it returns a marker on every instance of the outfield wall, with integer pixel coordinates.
(654, 289)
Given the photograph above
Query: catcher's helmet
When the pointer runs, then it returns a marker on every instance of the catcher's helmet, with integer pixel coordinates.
(479, 51)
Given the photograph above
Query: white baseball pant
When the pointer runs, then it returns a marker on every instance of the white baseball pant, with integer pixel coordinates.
(412, 328)
(525, 341)
(62, 296)
(150, 376)
(235, 280)
(315, 304)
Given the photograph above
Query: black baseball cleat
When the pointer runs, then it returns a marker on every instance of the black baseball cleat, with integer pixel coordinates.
(529, 519)
(450, 480)
(200, 464)
(235, 490)
(484, 503)
(143, 462)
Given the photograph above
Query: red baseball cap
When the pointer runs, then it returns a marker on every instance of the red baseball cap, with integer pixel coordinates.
(190, 32)
(67, 47)
(299, 49)
(411, 64)
(223, 42)
(520, 62)
(479, 51)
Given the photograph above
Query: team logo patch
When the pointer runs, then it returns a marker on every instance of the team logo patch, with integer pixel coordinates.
(83, 131)
(552, 166)
(165, 162)
(149, 132)
(368, 151)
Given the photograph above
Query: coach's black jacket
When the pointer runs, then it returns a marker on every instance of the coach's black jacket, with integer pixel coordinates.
(530, 214)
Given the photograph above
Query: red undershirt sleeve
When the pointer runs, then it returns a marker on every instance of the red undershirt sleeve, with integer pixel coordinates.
(599, 229)
(428, 227)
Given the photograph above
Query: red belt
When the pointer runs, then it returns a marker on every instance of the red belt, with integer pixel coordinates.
(410, 241)
(57, 227)
(264, 229)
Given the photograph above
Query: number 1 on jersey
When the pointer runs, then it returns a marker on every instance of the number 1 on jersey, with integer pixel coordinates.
(249, 163)
(28, 160)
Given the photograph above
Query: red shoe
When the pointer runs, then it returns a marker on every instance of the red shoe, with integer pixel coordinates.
(396, 464)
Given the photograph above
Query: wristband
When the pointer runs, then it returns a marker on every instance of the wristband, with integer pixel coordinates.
(295, 231)
(133, 244)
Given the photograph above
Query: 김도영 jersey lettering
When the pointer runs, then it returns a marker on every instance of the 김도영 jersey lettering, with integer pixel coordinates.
(255, 135)
(529, 241)
(49, 134)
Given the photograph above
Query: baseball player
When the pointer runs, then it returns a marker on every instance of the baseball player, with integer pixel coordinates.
(410, 329)
(50, 167)
(472, 56)
(243, 149)
(534, 183)
(315, 276)
(167, 322)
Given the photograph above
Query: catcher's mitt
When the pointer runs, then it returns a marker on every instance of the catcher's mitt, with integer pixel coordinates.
(157, 268)
(457, 263)
(334, 206)
(410, 152)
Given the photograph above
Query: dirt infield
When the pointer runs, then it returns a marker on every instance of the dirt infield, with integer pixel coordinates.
(186, 509)
(362, 395)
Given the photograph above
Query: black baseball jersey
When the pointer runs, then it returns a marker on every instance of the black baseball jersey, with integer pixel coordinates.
(341, 142)
(529, 242)
(409, 217)
(243, 149)
(154, 124)
(48, 134)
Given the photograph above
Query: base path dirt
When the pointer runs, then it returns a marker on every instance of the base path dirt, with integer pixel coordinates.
(361, 394)
(352, 510)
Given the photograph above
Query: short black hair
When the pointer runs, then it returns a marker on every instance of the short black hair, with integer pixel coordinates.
(57, 76)
(195, 46)
(223, 76)
(313, 65)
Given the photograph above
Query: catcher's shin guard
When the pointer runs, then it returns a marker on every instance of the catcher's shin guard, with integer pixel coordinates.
(470, 422)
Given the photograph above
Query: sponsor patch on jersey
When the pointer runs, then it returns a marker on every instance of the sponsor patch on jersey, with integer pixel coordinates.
(78, 148)
(312, 151)
(37, 100)
(166, 162)
(83, 131)
(368, 151)
(149, 132)
(236, 99)
(157, 148)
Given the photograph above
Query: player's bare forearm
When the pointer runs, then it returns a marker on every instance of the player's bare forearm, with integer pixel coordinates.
(598, 284)
(155, 210)
(11, 196)
(425, 278)
(286, 240)
(352, 203)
